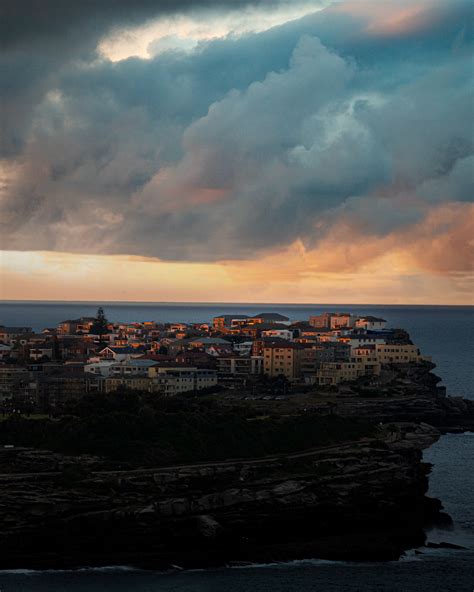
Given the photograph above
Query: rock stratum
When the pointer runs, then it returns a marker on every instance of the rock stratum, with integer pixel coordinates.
(363, 500)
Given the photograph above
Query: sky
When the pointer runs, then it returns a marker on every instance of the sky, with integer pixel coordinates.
(237, 150)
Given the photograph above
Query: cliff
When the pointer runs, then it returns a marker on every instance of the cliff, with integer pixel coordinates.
(407, 393)
(356, 500)
(362, 500)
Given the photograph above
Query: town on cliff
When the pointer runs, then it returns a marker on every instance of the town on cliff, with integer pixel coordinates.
(264, 356)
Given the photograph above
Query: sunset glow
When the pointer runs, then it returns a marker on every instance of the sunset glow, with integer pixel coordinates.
(242, 151)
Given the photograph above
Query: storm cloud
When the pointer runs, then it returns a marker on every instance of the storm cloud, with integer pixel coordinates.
(346, 118)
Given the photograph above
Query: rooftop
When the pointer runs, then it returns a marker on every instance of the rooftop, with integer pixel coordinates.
(373, 319)
(271, 316)
(210, 341)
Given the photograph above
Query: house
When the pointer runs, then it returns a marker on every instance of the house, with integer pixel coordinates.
(175, 346)
(223, 322)
(73, 347)
(13, 335)
(244, 348)
(207, 343)
(118, 353)
(219, 350)
(332, 320)
(269, 317)
(304, 329)
(40, 351)
(362, 338)
(74, 326)
(282, 333)
(5, 351)
(178, 327)
(197, 358)
(370, 323)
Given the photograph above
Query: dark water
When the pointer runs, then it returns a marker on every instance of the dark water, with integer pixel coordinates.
(445, 333)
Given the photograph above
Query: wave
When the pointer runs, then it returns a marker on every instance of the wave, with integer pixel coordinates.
(104, 569)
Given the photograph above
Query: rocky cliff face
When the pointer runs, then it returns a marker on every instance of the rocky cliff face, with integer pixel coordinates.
(408, 393)
(359, 501)
(364, 500)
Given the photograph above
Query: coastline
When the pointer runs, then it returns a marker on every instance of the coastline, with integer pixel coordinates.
(364, 500)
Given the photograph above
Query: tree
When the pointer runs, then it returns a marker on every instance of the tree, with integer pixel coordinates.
(100, 324)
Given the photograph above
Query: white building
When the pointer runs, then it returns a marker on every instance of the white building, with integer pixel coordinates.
(244, 348)
(173, 379)
(102, 368)
(371, 323)
(357, 340)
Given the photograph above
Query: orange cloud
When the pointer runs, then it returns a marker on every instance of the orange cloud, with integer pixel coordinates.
(386, 18)
(431, 262)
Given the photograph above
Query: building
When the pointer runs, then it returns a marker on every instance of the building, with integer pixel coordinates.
(332, 320)
(362, 338)
(134, 383)
(206, 343)
(197, 358)
(14, 336)
(52, 391)
(74, 347)
(244, 348)
(282, 359)
(312, 356)
(286, 334)
(223, 322)
(390, 353)
(235, 365)
(269, 318)
(11, 335)
(74, 326)
(303, 329)
(333, 373)
(102, 368)
(12, 379)
(132, 367)
(119, 353)
(180, 378)
(42, 351)
(5, 351)
(371, 323)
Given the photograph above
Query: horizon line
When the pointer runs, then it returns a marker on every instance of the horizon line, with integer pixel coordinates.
(221, 303)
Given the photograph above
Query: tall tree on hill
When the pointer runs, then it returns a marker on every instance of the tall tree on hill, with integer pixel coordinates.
(100, 324)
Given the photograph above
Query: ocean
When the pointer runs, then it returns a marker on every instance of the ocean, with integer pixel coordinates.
(444, 332)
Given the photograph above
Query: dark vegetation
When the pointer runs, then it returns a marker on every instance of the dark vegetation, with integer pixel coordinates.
(141, 429)
(100, 325)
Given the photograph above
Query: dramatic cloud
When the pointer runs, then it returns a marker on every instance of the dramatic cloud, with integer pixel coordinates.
(42, 40)
(347, 131)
